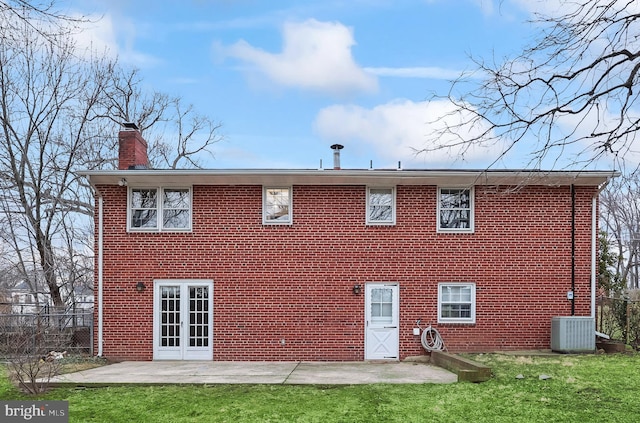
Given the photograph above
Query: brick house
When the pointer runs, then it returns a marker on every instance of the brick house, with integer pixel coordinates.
(336, 264)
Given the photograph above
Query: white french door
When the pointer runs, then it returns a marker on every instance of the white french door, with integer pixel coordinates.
(183, 320)
(381, 321)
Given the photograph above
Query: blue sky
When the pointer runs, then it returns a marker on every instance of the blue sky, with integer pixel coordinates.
(287, 79)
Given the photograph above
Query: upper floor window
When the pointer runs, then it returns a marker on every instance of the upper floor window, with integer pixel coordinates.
(159, 209)
(455, 209)
(276, 205)
(456, 303)
(381, 206)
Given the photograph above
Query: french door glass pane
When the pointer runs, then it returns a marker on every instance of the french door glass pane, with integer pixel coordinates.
(170, 316)
(198, 316)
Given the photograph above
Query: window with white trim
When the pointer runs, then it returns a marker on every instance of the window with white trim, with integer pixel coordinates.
(277, 205)
(455, 209)
(159, 209)
(381, 206)
(456, 302)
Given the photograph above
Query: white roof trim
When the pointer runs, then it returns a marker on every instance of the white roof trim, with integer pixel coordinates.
(148, 177)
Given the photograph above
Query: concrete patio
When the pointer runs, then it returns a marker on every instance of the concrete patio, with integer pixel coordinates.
(292, 373)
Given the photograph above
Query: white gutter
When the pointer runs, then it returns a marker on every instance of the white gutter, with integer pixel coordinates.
(383, 177)
(100, 275)
(594, 252)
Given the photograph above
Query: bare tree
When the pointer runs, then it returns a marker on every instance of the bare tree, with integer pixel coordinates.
(60, 113)
(41, 15)
(193, 135)
(23, 10)
(620, 213)
(47, 99)
(177, 134)
(574, 91)
(125, 101)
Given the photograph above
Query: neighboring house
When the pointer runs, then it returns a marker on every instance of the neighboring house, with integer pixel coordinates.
(336, 264)
(25, 301)
(82, 299)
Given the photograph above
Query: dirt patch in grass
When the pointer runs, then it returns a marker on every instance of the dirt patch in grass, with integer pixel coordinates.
(523, 360)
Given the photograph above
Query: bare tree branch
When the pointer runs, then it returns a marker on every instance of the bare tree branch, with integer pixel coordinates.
(620, 212)
(572, 92)
(59, 114)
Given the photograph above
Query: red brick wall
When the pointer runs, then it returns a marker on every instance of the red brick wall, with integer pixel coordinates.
(295, 282)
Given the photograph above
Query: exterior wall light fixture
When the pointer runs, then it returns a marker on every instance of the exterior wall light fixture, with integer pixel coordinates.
(357, 289)
(140, 286)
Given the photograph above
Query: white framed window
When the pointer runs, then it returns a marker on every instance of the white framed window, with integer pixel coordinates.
(456, 302)
(277, 207)
(381, 205)
(159, 209)
(455, 209)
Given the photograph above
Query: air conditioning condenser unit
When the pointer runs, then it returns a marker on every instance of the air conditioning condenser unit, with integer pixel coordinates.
(573, 334)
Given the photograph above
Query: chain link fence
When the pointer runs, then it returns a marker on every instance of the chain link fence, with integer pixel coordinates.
(68, 331)
(620, 318)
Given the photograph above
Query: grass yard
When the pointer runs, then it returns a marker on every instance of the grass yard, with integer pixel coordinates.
(591, 388)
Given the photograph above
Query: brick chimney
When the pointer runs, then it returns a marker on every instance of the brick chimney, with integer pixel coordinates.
(132, 148)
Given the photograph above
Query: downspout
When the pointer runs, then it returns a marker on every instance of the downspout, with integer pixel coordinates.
(100, 273)
(573, 250)
(100, 264)
(594, 251)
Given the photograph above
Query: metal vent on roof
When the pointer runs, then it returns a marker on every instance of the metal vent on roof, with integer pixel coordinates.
(130, 126)
(336, 155)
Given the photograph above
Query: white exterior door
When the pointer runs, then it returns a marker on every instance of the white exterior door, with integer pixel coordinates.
(381, 324)
(183, 320)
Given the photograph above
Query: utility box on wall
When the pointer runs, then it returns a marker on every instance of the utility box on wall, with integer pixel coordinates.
(573, 334)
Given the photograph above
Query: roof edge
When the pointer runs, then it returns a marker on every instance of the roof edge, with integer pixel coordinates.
(350, 177)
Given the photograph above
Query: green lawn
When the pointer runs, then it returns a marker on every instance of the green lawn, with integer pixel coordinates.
(592, 388)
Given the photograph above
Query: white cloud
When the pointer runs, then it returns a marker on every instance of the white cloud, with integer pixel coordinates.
(416, 72)
(102, 35)
(315, 56)
(397, 129)
(97, 35)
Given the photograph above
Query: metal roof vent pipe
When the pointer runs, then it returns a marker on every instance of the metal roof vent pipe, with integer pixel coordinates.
(336, 155)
